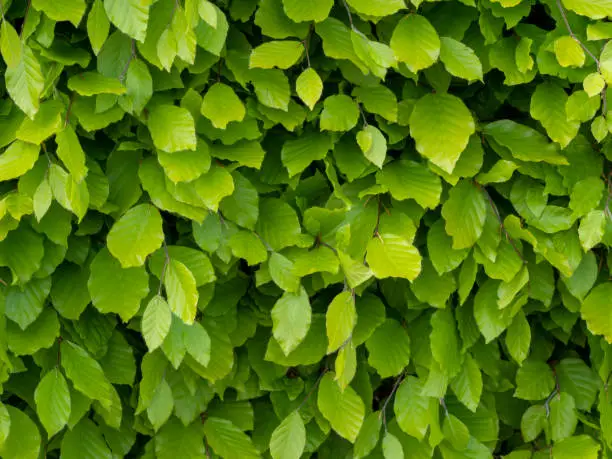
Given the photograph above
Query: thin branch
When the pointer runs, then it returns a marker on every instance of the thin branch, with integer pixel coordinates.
(350, 16)
(383, 410)
(365, 122)
(586, 50)
(3, 282)
(127, 64)
(312, 389)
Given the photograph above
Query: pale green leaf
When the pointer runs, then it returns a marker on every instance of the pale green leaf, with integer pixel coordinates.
(181, 291)
(17, 159)
(136, 235)
(416, 42)
(98, 26)
(172, 128)
(441, 126)
(460, 60)
(289, 438)
(291, 317)
(227, 440)
(10, 45)
(221, 105)
(464, 213)
(344, 410)
(389, 349)
(52, 398)
(156, 322)
(340, 320)
(116, 289)
(130, 16)
(280, 54)
(309, 87)
(24, 439)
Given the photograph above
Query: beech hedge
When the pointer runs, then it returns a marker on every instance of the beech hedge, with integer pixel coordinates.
(305, 228)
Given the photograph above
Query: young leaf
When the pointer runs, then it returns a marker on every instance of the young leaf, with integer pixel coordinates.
(52, 398)
(289, 438)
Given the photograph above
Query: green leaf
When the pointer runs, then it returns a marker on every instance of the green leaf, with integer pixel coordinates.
(98, 26)
(93, 83)
(569, 52)
(580, 446)
(548, 107)
(5, 424)
(130, 16)
(221, 105)
(340, 320)
(40, 334)
(390, 255)
(579, 381)
(594, 83)
(298, 11)
(71, 153)
(271, 88)
(172, 128)
(297, 154)
(116, 289)
(136, 235)
(186, 165)
(392, 448)
(291, 317)
(25, 304)
(373, 145)
(340, 113)
(377, 8)
(161, 406)
(289, 438)
(46, 123)
(139, 85)
(227, 440)
(10, 45)
(389, 349)
(25, 82)
(533, 422)
(525, 143)
(280, 54)
(444, 340)
(86, 374)
(563, 416)
(283, 273)
(24, 440)
(534, 381)
(344, 410)
(62, 10)
(596, 313)
(456, 432)
(53, 401)
(309, 87)
(518, 338)
(278, 224)
(468, 385)
(17, 159)
(464, 213)
(181, 291)
(247, 245)
(415, 42)
(85, 440)
(427, 187)
(460, 60)
(413, 410)
(368, 435)
(594, 9)
(441, 126)
(156, 322)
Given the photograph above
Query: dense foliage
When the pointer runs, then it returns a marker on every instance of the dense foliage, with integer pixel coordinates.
(286, 228)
